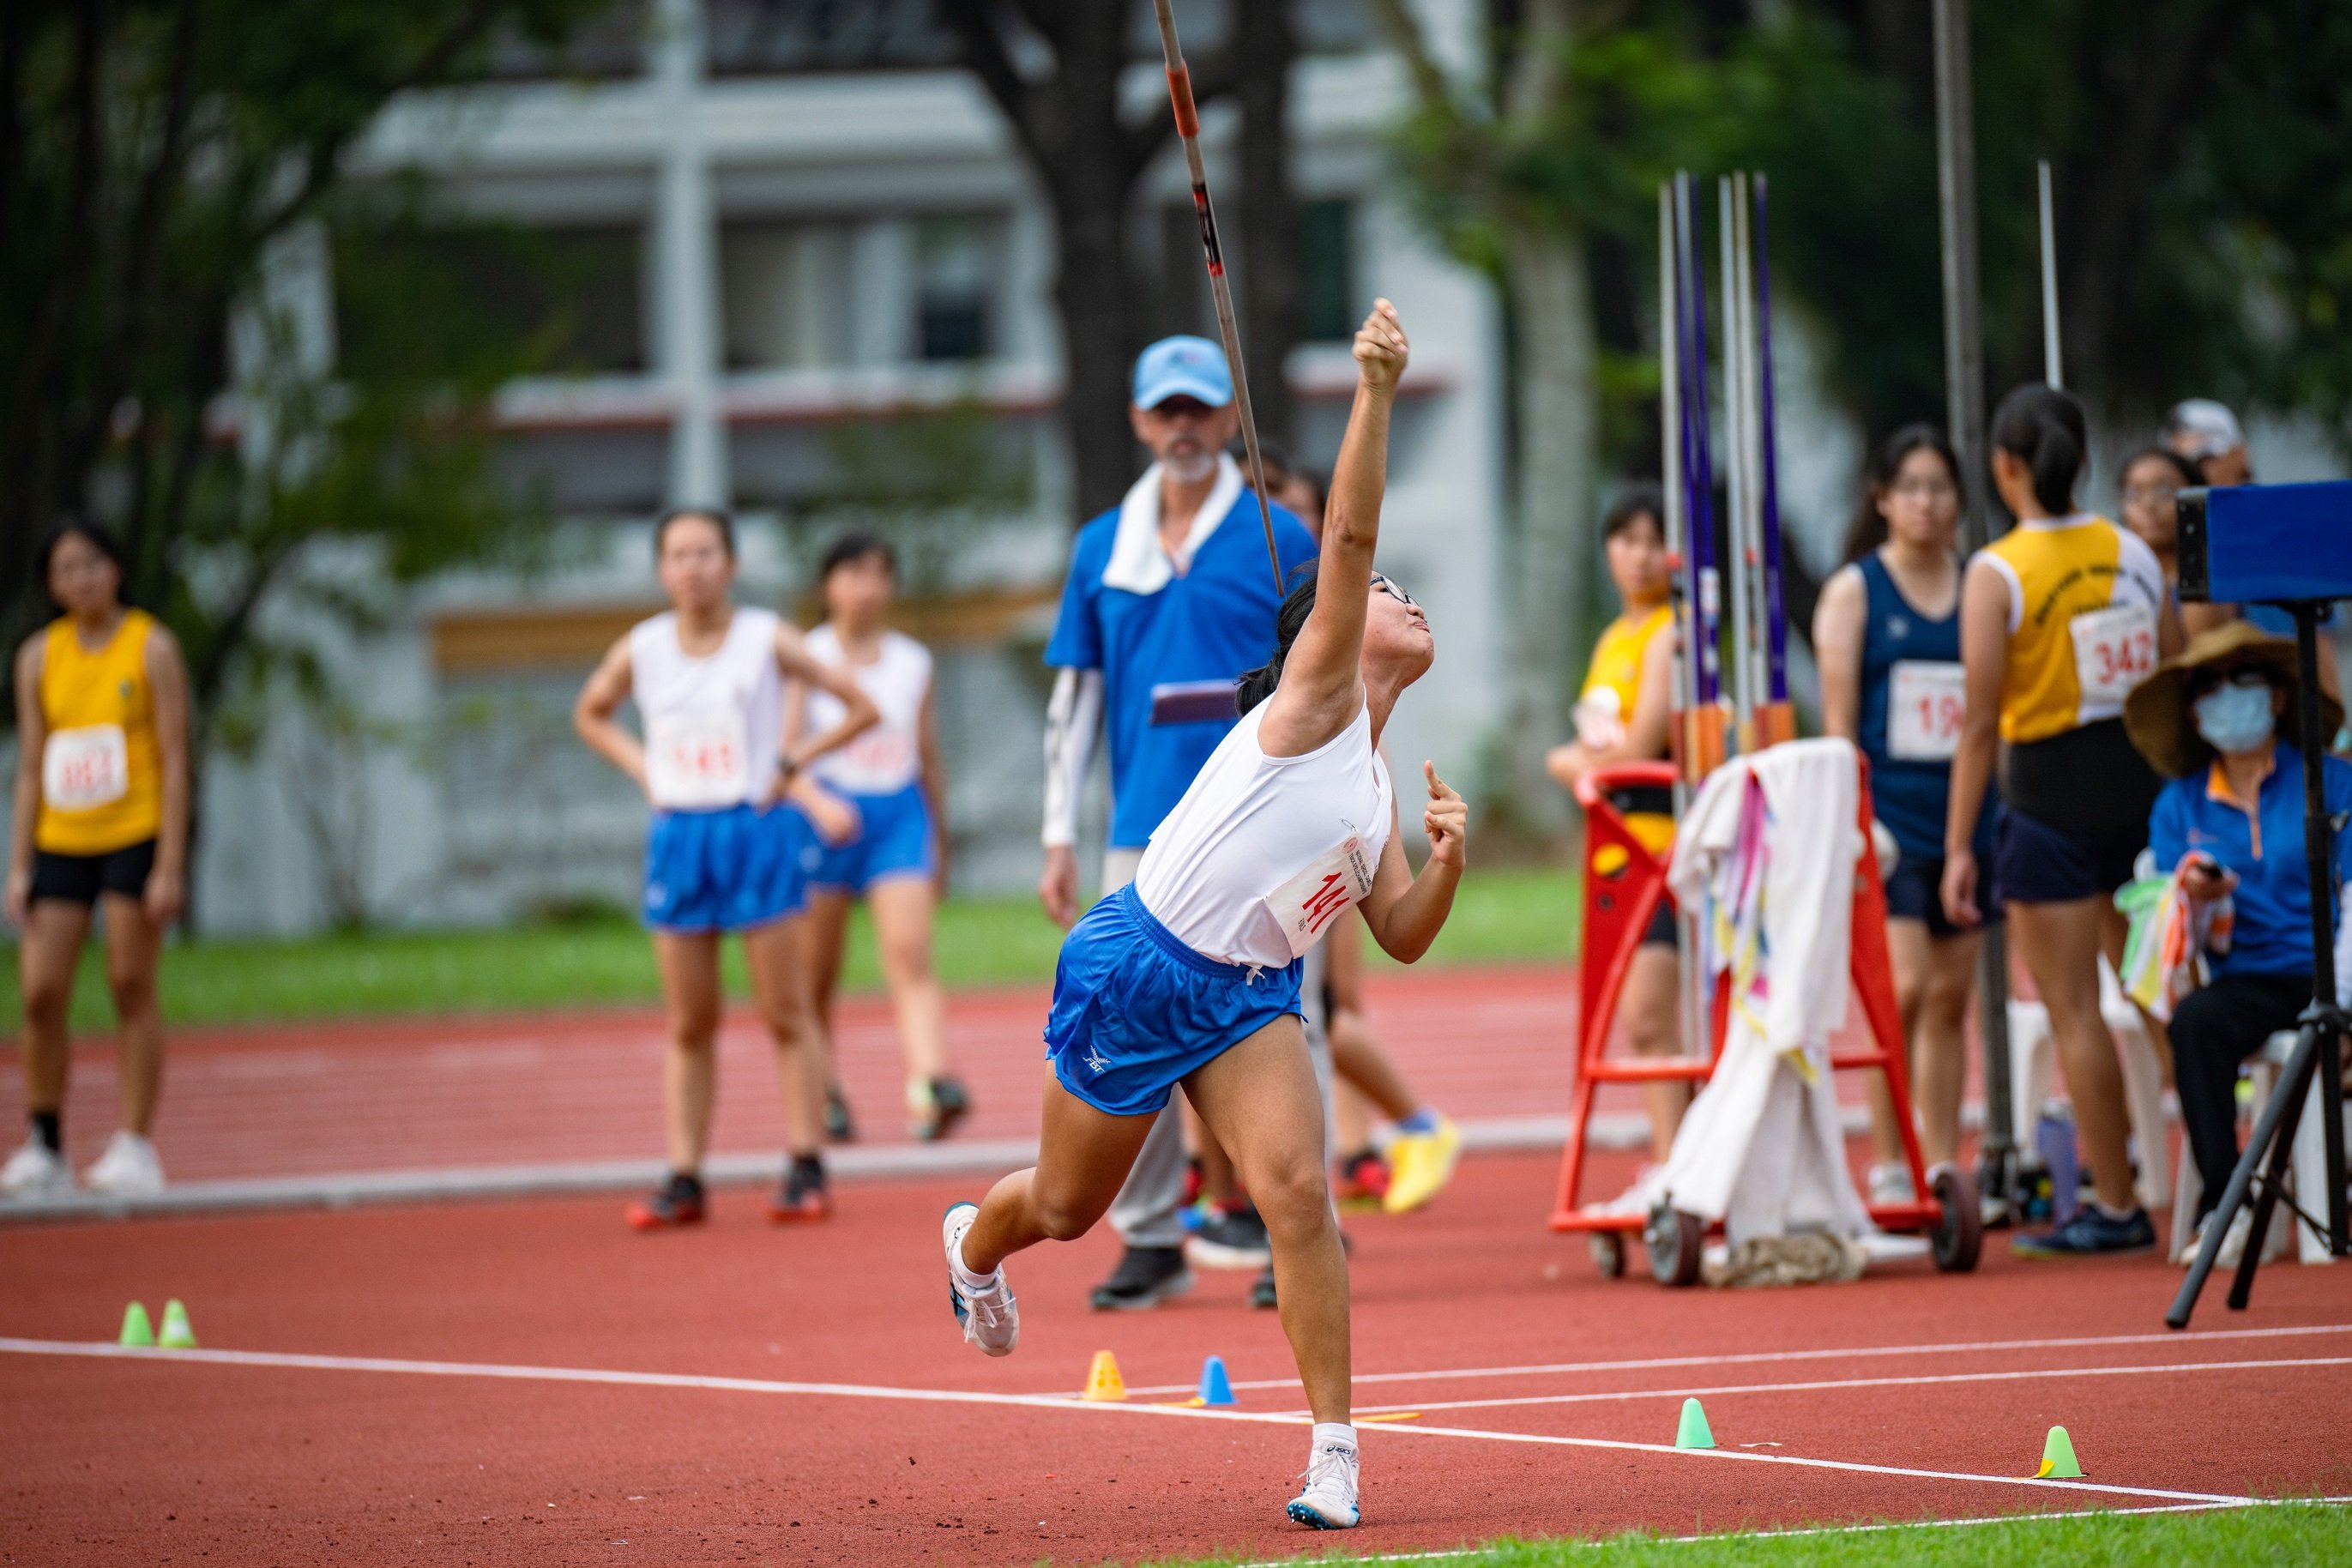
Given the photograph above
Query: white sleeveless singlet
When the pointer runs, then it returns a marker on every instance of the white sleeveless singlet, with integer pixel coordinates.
(886, 758)
(713, 725)
(1262, 853)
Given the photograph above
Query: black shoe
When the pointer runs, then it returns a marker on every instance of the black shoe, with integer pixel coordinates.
(2092, 1233)
(1146, 1276)
(838, 1127)
(1262, 1290)
(1230, 1239)
(948, 1105)
(803, 1197)
(675, 1202)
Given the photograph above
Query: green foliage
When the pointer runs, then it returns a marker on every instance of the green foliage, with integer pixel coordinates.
(164, 160)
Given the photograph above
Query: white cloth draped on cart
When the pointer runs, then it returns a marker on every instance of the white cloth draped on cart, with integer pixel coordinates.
(1768, 853)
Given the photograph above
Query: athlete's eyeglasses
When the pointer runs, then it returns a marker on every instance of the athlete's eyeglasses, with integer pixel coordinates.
(1390, 586)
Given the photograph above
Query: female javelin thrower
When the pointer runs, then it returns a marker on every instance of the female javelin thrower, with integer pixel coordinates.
(1190, 974)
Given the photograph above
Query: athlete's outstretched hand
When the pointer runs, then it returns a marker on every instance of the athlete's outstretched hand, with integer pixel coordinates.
(1380, 348)
(1446, 819)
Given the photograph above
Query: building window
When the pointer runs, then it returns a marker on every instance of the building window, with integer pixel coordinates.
(607, 46)
(773, 37)
(956, 263)
(418, 298)
(786, 292)
(1326, 285)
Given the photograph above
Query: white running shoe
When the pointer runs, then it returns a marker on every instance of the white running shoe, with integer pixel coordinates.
(35, 1171)
(129, 1168)
(990, 1316)
(1638, 1200)
(1891, 1184)
(1329, 1500)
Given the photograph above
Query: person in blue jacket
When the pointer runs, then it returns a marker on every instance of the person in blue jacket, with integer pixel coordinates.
(2209, 717)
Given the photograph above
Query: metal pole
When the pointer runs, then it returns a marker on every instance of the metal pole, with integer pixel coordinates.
(1674, 450)
(1188, 130)
(2053, 368)
(2319, 869)
(1734, 406)
(1955, 186)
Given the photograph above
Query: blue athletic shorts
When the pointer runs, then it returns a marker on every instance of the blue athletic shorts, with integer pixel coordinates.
(1915, 892)
(727, 870)
(1135, 1009)
(894, 839)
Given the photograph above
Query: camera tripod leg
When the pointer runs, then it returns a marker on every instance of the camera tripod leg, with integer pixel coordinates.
(2275, 1137)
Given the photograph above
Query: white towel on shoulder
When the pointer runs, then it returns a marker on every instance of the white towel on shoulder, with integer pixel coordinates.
(1139, 562)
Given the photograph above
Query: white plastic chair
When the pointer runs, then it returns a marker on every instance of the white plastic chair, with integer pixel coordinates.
(2030, 1062)
(2308, 1173)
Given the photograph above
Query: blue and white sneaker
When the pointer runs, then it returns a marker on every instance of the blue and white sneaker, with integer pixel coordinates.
(1329, 1500)
(2092, 1233)
(990, 1317)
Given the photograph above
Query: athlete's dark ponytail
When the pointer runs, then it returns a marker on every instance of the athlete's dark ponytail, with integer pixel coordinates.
(2043, 428)
(1258, 684)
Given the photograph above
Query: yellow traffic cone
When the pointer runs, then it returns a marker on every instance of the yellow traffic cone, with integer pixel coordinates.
(1103, 1381)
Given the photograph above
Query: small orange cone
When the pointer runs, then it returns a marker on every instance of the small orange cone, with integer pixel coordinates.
(1103, 1381)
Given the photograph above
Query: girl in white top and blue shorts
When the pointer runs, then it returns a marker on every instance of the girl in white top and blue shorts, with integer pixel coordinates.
(1191, 975)
(725, 853)
(894, 853)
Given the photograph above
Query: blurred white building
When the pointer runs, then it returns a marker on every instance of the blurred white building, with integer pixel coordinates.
(793, 222)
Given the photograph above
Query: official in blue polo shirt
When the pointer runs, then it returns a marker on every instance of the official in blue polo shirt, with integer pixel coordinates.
(2209, 717)
(1169, 597)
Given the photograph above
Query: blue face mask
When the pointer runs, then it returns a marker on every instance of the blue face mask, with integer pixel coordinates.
(2236, 718)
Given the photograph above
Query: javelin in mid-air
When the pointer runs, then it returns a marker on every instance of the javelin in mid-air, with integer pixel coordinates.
(1188, 130)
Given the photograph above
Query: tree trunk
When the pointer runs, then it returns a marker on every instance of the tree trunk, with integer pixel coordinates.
(1559, 436)
(1271, 306)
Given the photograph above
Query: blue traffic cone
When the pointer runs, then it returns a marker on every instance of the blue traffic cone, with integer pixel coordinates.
(1216, 1388)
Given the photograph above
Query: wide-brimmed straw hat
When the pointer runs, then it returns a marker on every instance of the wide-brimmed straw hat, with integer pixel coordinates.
(2158, 716)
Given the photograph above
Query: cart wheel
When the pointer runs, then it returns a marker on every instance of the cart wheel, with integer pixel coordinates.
(1673, 1240)
(1959, 1235)
(1608, 1253)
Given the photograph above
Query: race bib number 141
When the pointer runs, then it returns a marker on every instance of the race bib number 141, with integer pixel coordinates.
(1308, 903)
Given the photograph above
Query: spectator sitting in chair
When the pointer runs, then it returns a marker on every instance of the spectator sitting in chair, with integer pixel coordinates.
(2210, 719)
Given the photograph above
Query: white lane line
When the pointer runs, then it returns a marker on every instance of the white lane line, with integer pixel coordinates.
(1620, 1395)
(1766, 1358)
(101, 1350)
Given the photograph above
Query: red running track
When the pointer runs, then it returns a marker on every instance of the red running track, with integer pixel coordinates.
(114, 1460)
(470, 1091)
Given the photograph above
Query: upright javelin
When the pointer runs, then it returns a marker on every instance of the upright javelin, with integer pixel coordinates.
(1188, 130)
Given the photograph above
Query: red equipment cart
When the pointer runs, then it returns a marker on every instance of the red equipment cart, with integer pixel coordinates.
(1624, 881)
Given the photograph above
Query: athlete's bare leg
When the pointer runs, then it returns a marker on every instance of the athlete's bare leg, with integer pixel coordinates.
(1262, 1101)
(1647, 1007)
(777, 956)
(46, 961)
(133, 947)
(1083, 1156)
(903, 910)
(688, 962)
(2060, 944)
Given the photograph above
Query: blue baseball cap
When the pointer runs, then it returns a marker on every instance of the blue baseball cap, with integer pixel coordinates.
(1182, 366)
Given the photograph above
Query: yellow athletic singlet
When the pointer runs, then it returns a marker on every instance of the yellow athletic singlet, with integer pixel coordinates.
(101, 774)
(1606, 704)
(2084, 599)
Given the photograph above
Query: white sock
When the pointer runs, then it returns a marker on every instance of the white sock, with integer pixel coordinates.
(2112, 1212)
(1338, 1432)
(967, 1279)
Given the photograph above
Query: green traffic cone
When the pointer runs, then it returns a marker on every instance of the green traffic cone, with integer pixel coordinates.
(136, 1329)
(1691, 1431)
(2058, 1458)
(176, 1335)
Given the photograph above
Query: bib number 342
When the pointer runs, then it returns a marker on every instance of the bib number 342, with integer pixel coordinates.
(2115, 651)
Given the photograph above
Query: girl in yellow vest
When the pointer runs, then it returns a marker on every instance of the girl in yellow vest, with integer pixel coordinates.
(2060, 619)
(102, 816)
(1623, 715)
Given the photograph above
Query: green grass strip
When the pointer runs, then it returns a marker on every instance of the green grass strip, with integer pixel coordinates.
(2285, 1536)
